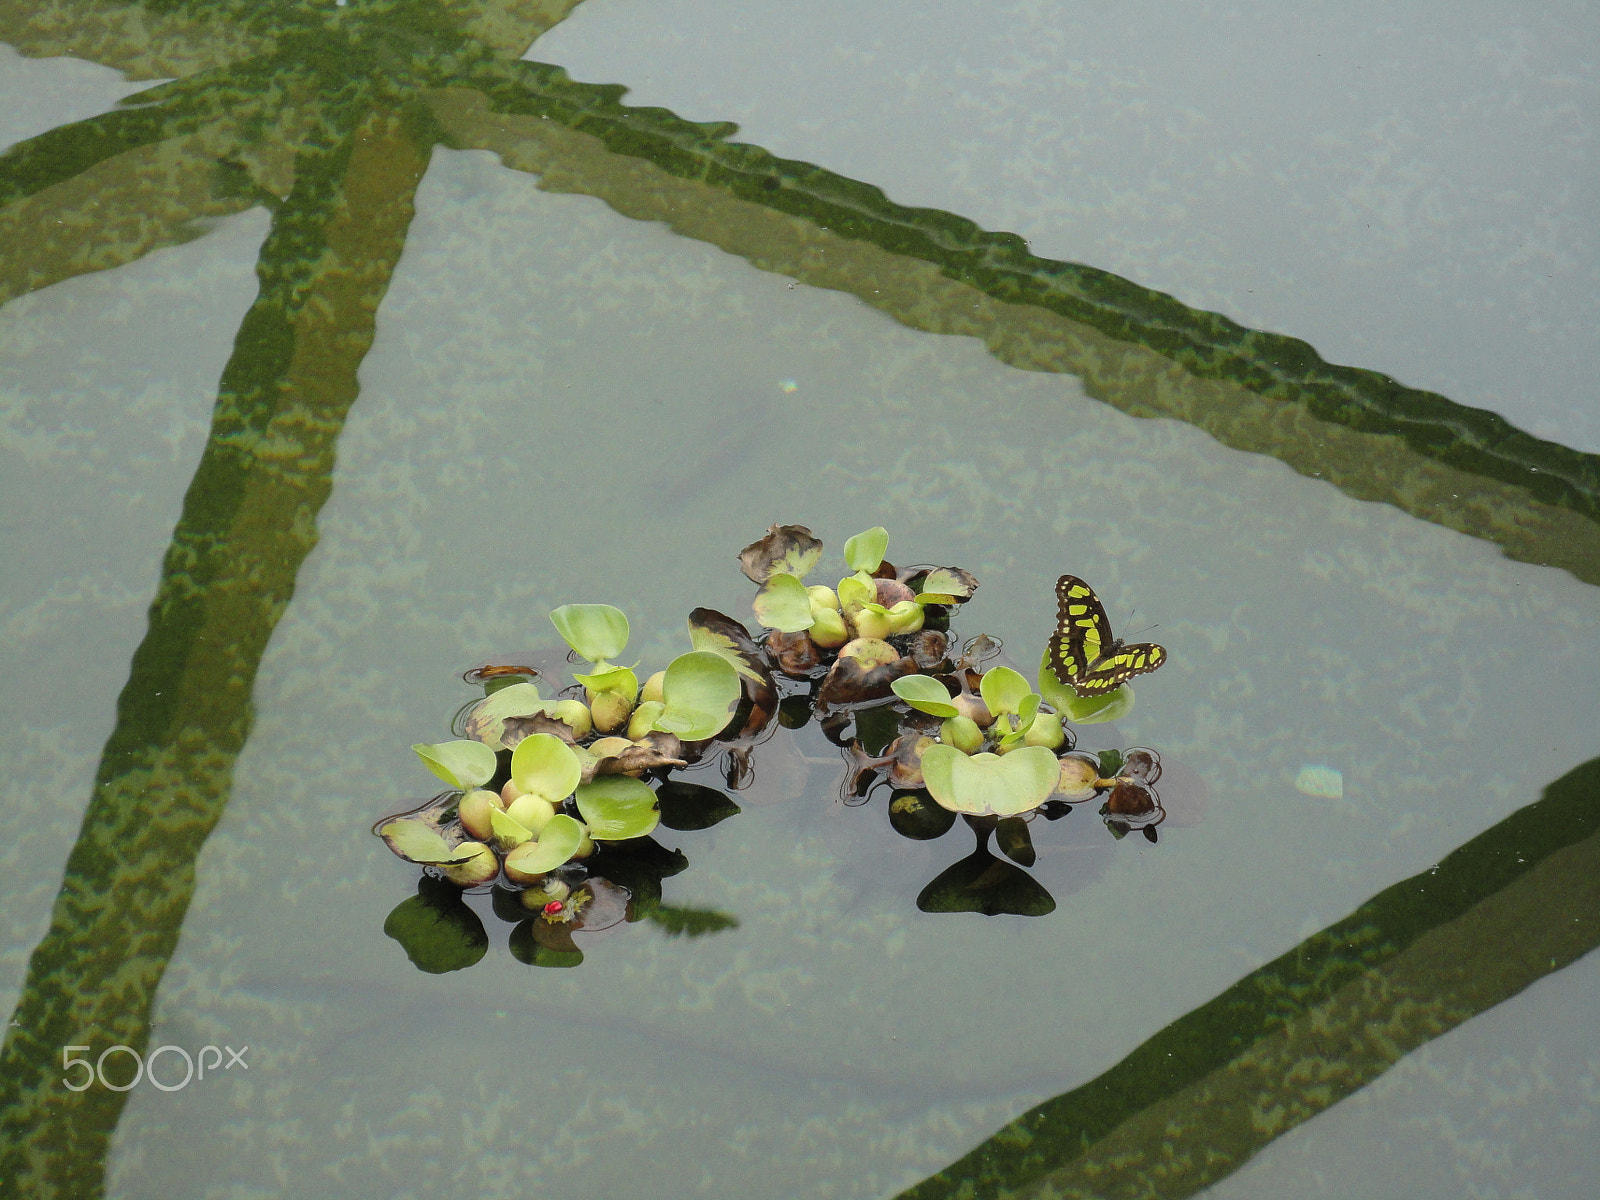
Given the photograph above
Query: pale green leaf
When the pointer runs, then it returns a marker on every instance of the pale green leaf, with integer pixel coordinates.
(612, 679)
(419, 842)
(865, 551)
(925, 694)
(617, 807)
(462, 764)
(700, 690)
(988, 784)
(509, 832)
(546, 766)
(555, 847)
(1004, 690)
(783, 604)
(599, 632)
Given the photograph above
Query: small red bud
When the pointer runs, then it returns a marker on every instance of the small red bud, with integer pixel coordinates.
(552, 908)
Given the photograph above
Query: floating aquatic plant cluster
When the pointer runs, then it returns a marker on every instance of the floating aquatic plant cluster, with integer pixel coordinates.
(556, 789)
(980, 743)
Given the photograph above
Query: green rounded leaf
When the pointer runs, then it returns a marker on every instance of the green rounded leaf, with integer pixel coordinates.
(865, 551)
(462, 764)
(437, 930)
(987, 784)
(555, 847)
(612, 679)
(509, 833)
(925, 694)
(1027, 711)
(617, 807)
(1004, 690)
(598, 632)
(856, 590)
(938, 765)
(784, 604)
(1096, 710)
(947, 584)
(420, 843)
(1082, 710)
(700, 690)
(546, 766)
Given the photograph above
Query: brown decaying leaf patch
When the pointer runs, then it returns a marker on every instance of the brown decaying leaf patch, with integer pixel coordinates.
(655, 749)
(795, 654)
(782, 549)
(853, 680)
(518, 728)
(754, 677)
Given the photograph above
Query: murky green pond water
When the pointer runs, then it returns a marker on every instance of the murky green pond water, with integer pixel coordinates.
(610, 353)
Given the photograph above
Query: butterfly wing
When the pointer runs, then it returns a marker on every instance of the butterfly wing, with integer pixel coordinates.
(1112, 670)
(1083, 654)
(1082, 628)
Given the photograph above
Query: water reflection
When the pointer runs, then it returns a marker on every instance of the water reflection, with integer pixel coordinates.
(441, 929)
(326, 116)
(1196, 1100)
(563, 910)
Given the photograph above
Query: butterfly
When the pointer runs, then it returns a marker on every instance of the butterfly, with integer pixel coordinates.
(1083, 654)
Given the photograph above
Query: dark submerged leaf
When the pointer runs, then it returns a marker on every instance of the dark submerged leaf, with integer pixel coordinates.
(984, 884)
(690, 806)
(1012, 837)
(688, 922)
(914, 815)
(436, 929)
(525, 947)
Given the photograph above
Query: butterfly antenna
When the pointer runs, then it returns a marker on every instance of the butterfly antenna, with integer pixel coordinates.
(1140, 633)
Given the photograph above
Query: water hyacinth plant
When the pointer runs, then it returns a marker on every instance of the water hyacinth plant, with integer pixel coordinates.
(552, 793)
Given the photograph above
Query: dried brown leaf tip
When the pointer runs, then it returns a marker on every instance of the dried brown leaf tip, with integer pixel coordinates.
(789, 549)
(721, 634)
(654, 751)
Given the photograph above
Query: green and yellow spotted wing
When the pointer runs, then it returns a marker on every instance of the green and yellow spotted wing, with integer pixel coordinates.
(1083, 654)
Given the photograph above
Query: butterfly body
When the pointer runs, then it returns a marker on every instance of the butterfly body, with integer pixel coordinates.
(1083, 653)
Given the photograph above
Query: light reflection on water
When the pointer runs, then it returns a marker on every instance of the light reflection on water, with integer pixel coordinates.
(1305, 627)
(1405, 188)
